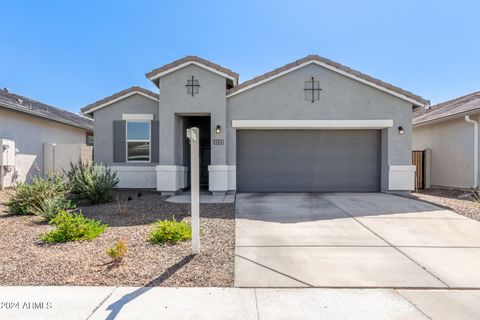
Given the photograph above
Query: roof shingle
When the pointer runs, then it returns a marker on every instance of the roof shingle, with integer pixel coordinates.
(192, 59)
(87, 109)
(23, 104)
(455, 107)
(332, 64)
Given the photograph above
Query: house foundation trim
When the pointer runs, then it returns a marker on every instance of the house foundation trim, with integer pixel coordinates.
(222, 178)
(170, 179)
(401, 177)
(133, 177)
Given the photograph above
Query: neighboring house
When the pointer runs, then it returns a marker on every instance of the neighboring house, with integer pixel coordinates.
(310, 126)
(34, 127)
(450, 131)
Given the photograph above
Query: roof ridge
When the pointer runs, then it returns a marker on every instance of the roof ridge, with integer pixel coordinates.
(191, 58)
(445, 110)
(456, 100)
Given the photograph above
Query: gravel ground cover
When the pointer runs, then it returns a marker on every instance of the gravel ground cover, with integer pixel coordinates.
(456, 200)
(25, 260)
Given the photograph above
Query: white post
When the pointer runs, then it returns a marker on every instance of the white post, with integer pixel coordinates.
(193, 135)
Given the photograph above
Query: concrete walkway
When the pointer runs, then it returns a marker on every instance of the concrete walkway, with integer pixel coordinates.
(205, 197)
(234, 303)
(370, 240)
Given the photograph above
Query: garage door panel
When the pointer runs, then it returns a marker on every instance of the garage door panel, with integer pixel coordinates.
(308, 160)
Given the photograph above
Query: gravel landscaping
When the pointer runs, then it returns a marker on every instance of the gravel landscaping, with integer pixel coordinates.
(25, 260)
(455, 200)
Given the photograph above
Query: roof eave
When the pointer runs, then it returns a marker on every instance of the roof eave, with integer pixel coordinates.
(155, 76)
(88, 110)
(446, 118)
(315, 60)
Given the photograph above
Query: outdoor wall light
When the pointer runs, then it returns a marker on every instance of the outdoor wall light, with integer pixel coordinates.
(218, 130)
(400, 130)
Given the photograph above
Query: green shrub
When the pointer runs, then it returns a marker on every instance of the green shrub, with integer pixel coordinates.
(117, 251)
(49, 207)
(43, 196)
(73, 227)
(92, 182)
(170, 231)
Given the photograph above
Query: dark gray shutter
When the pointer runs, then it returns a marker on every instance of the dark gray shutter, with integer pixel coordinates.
(119, 141)
(154, 137)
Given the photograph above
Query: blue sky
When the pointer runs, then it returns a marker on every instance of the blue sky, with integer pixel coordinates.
(72, 53)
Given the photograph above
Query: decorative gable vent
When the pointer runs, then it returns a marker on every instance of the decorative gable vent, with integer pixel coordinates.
(192, 86)
(312, 90)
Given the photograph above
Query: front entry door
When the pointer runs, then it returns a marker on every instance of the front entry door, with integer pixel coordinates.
(204, 160)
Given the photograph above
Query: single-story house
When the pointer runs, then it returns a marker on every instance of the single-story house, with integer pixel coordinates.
(33, 129)
(312, 125)
(449, 131)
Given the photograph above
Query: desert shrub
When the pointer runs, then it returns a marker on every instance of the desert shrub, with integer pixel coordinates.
(43, 196)
(73, 226)
(92, 182)
(117, 251)
(122, 206)
(50, 207)
(170, 231)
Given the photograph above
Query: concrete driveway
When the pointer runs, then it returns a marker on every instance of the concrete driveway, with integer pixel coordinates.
(364, 240)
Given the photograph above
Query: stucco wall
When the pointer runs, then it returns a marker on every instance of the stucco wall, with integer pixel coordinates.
(30, 133)
(451, 143)
(103, 124)
(174, 102)
(341, 98)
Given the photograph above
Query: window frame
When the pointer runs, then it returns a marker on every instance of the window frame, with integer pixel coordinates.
(137, 140)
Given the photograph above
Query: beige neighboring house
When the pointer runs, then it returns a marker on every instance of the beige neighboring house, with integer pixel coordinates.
(36, 138)
(450, 131)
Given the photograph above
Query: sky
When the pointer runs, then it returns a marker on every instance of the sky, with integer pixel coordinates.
(72, 53)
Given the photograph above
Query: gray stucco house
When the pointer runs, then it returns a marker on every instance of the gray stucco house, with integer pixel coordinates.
(313, 125)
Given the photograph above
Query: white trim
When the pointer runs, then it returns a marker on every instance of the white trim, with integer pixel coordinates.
(162, 168)
(137, 116)
(201, 65)
(408, 168)
(141, 177)
(221, 178)
(475, 150)
(327, 66)
(137, 140)
(401, 178)
(171, 178)
(312, 124)
(120, 98)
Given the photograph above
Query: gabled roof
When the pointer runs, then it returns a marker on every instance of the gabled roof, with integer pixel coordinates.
(334, 66)
(35, 108)
(155, 74)
(117, 97)
(457, 107)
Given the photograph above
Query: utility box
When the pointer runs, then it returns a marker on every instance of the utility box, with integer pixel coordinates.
(7, 149)
(7, 162)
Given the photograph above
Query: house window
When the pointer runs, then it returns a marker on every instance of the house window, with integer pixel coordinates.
(89, 140)
(138, 141)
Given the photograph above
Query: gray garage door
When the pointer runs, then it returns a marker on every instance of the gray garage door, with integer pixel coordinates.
(308, 160)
